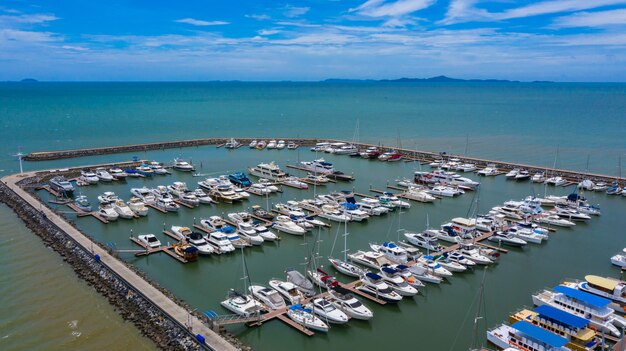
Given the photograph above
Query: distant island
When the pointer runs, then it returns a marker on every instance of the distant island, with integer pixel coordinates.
(437, 79)
(29, 80)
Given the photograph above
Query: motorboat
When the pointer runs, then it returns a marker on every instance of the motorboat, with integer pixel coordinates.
(288, 290)
(458, 257)
(353, 212)
(177, 188)
(262, 213)
(188, 197)
(370, 152)
(522, 175)
(269, 297)
(532, 226)
(527, 235)
(344, 300)
(82, 202)
(424, 240)
(506, 238)
(300, 281)
(556, 181)
(370, 259)
(614, 189)
(396, 281)
(219, 241)
(306, 318)
(183, 166)
(280, 145)
(346, 268)
(327, 311)
(220, 188)
(166, 204)
(157, 168)
(317, 179)
(268, 184)
(392, 200)
(294, 182)
(149, 240)
(285, 224)
(144, 194)
(554, 220)
(88, 177)
(600, 186)
(269, 171)
(261, 230)
(418, 194)
(214, 223)
(62, 186)
(104, 175)
(582, 304)
(509, 211)
(249, 233)
(444, 178)
(391, 251)
(489, 170)
(373, 284)
(318, 166)
(181, 233)
(118, 173)
(198, 241)
(242, 304)
(252, 144)
(143, 170)
(451, 265)
(291, 145)
(240, 179)
(122, 209)
(372, 207)
(619, 259)
(271, 144)
(435, 267)
(421, 272)
(202, 197)
(512, 173)
(333, 213)
(320, 278)
(466, 167)
(232, 144)
(520, 334)
(538, 177)
(447, 191)
(390, 156)
(473, 253)
(107, 196)
(456, 230)
(261, 145)
(570, 213)
(107, 211)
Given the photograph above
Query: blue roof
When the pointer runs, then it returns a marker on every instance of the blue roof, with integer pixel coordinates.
(540, 334)
(373, 276)
(561, 317)
(389, 245)
(589, 299)
(402, 266)
(296, 307)
(389, 270)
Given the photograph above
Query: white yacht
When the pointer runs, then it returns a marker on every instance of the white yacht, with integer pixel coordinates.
(435, 267)
(157, 168)
(554, 220)
(118, 173)
(619, 259)
(344, 300)
(373, 284)
(490, 170)
(252, 144)
(244, 217)
(232, 144)
(346, 268)
(570, 213)
(458, 257)
(443, 177)
(556, 181)
(149, 240)
(288, 290)
(166, 204)
(372, 207)
(327, 311)
(89, 177)
(271, 144)
(424, 240)
(220, 242)
(295, 182)
(183, 166)
(122, 209)
(418, 194)
(241, 304)
(396, 281)
(107, 196)
(505, 238)
(473, 253)
(370, 259)
(107, 211)
(180, 232)
(269, 171)
(391, 251)
(247, 231)
(512, 173)
(318, 166)
(196, 240)
(443, 190)
(285, 224)
(393, 200)
(306, 318)
(104, 175)
(291, 145)
(333, 213)
(269, 297)
(527, 235)
(178, 188)
(280, 145)
(144, 194)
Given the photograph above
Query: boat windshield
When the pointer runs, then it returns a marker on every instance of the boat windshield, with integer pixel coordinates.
(355, 304)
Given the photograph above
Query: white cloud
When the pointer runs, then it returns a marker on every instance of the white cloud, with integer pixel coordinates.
(268, 31)
(592, 19)
(27, 19)
(259, 17)
(382, 8)
(74, 48)
(197, 22)
(295, 11)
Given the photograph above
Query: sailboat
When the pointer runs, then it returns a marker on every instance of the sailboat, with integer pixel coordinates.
(342, 265)
(241, 303)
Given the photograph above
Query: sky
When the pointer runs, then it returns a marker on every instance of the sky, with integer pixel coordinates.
(136, 40)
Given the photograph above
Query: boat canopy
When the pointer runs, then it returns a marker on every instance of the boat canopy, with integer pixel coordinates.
(540, 334)
(389, 270)
(589, 299)
(604, 283)
(373, 276)
(561, 317)
(390, 245)
(349, 206)
(402, 267)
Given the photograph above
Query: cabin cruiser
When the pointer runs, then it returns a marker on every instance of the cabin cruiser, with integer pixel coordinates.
(177, 188)
(243, 305)
(62, 186)
(285, 224)
(183, 166)
(582, 304)
(522, 175)
(271, 144)
(245, 218)
(149, 240)
(144, 194)
(506, 238)
(538, 177)
(352, 210)
(327, 311)
(107, 211)
(240, 179)
(219, 241)
(344, 300)
(291, 145)
(157, 168)
(346, 268)
(370, 259)
(288, 290)
(118, 173)
(418, 194)
(89, 177)
(295, 182)
(196, 240)
(490, 170)
(556, 181)
(435, 267)
(249, 233)
(107, 196)
(391, 251)
(269, 171)
(570, 213)
(262, 213)
(554, 220)
(300, 281)
(390, 200)
(456, 230)
(373, 284)
(372, 207)
(396, 281)
(269, 297)
(82, 202)
(424, 240)
(458, 257)
(447, 191)
(306, 318)
(523, 335)
(104, 175)
(472, 252)
(527, 235)
(333, 213)
(619, 259)
(122, 209)
(391, 156)
(202, 197)
(318, 166)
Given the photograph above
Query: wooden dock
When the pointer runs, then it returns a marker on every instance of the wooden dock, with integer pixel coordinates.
(81, 213)
(182, 203)
(288, 321)
(156, 208)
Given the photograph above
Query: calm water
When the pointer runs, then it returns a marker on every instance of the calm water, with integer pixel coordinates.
(521, 122)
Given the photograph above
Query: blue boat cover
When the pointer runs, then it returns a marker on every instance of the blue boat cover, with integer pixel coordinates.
(540, 334)
(402, 267)
(561, 317)
(389, 245)
(349, 206)
(389, 270)
(429, 257)
(296, 307)
(323, 163)
(373, 276)
(587, 298)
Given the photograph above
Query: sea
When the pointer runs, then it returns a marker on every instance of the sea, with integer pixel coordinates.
(579, 126)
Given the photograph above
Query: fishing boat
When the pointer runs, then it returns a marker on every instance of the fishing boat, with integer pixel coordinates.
(88, 177)
(373, 284)
(285, 224)
(306, 318)
(327, 311)
(240, 179)
(220, 242)
(144, 194)
(82, 202)
(269, 297)
(344, 300)
(288, 290)
(149, 240)
(107, 211)
(269, 171)
(104, 175)
(62, 186)
(525, 336)
(619, 259)
(183, 166)
(505, 238)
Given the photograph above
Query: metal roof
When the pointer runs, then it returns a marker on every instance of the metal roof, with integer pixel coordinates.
(540, 334)
(589, 299)
(561, 317)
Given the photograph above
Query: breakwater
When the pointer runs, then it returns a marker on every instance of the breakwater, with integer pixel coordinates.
(156, 313)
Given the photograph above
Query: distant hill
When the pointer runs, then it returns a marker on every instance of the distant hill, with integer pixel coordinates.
(438, 79)
(29, 80)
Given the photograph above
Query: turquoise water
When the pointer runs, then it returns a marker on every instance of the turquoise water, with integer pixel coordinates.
(516, 122)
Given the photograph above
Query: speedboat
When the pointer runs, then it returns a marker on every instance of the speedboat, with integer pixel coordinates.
(243, 305)
(370, 259)
(346, 268)
(82, 202)
(306, 318)
(507, 239)
(183, 166)
(144, 194)
(288, 290)
(391, 251)
(269, 171)
(344, 300)
(118, 173)
(285, 224)
(196, 240)
(219, 241)
(327, 311)
(122, 209)
(295, 182)
(269, 297)
(62, 186)
(252, 144)
(149, 240)
(396, 281)
(554, 220)
(104, 175)
(107, 211)
(424, 240)
(373, 284)
(240, 179)
(619, 259)
(89, 177)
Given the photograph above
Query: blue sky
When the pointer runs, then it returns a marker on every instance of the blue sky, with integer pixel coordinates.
(562, 40)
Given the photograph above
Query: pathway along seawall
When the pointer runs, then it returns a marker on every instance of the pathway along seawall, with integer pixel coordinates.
(155, 314)
(422, 156)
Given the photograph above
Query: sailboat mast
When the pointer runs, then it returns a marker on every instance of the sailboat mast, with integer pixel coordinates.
(478, 317)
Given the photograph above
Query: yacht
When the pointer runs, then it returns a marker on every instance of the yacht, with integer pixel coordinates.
(82, 202)
(509, 211)
(344, 300)
(244, 217)
(157, 168)
(370, 259)
(143, 170)
(570, 213)
(473, 253)
(424, 240)
(122, 209)
(118, 173)
(240, 179)
(327, 311)
(306, 318)
(443, 190)
(285, 224)
(149, 240)
(420, 272)
(252, 144)
(288, 290)
(320, 147)
(269, 171)
(180, 232)
(249, 233)
(295, 182)
(346, 268)
(458, 257)
(317, 179)
(107, 211)
(435, 267)
(584, 305)
(261, 145)
(196, 240)
(353, 212)
(396, 281)
(89, 177)
(554, 220)
(144, 194)
(372, 207)
(456, 230)
(523, 335)
(512, 173)
(443, 177)
(104, 175)
(619, 259)
(232, 144)
(280, 145)
(390, 156)
(538, 177)
(609, 288)
(391, 200)
(373, 284)
(269, 297)
(522, 175)
(505, 238)
(391, 251)
(418, 194)
(177, 188)
(268, 184)
(271, 144)
(107, 196)
(241, 304)
(62, 186)
(466, 167)
(166, 204)
(291, 145)
(220, 242)
(556, 181)
(333, 213)
(490, 170)
(258, 211)
(318, 166)
(183, 166)
(527, 235)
